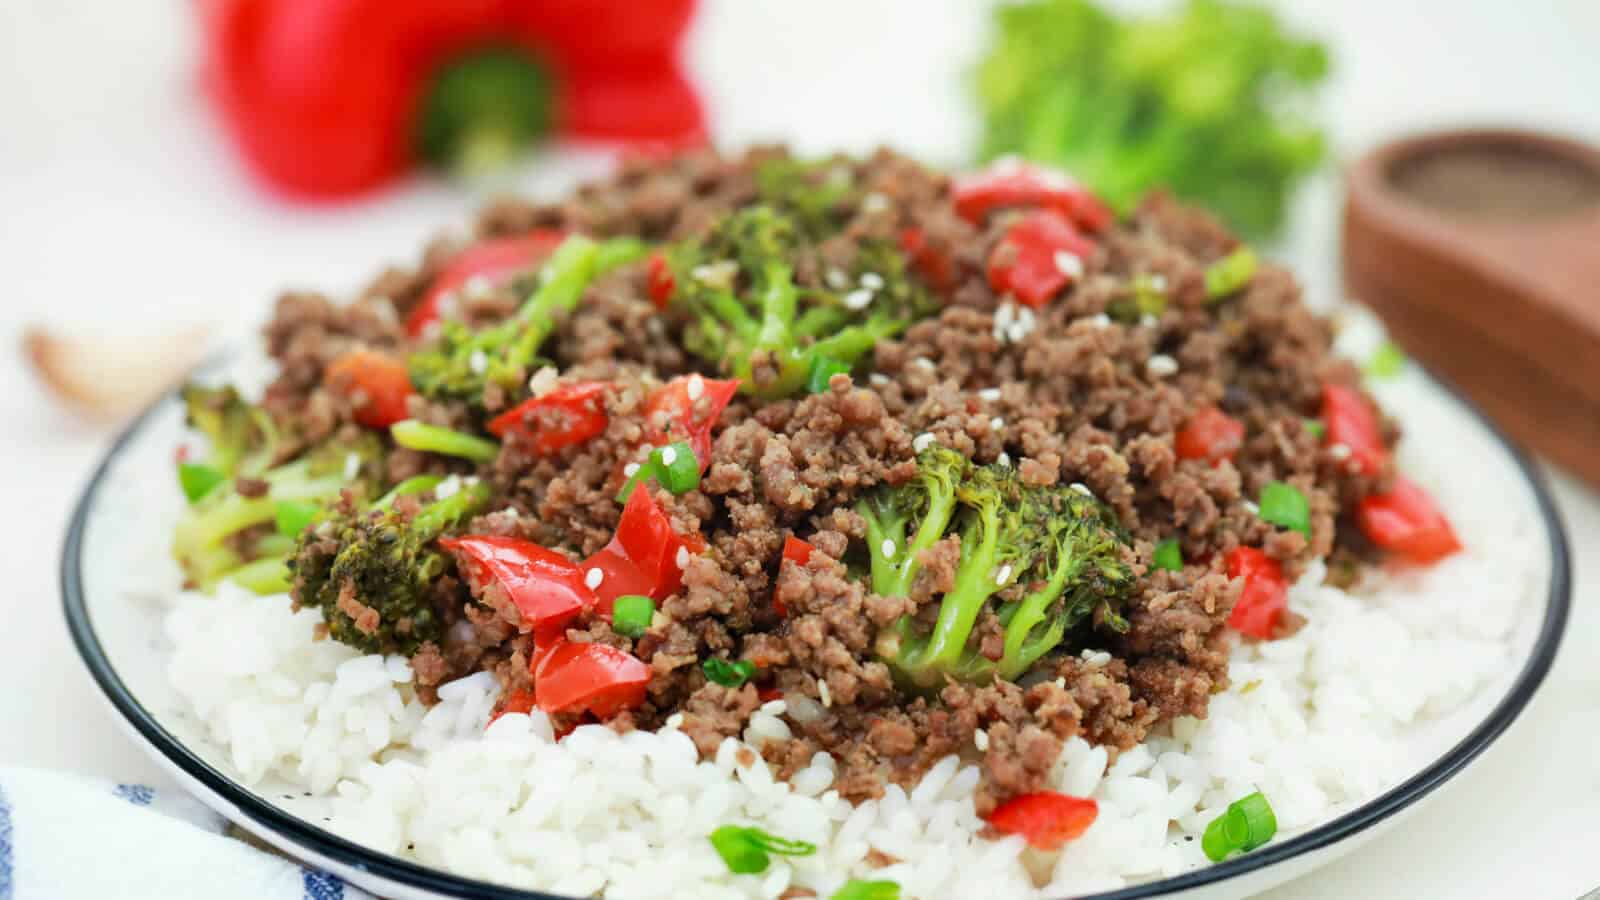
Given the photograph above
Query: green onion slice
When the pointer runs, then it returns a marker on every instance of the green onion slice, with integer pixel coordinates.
(197, 479)
(293, 516)
(822, 369)
(631, 614)
(728, 673)
(443, 441)
(855, 889)
(746, 850)
(1230, 273)
(1387, 362)
(1314, 427)
(676, 467)
(1169, 555)
(1283, 505)
(1247, 824)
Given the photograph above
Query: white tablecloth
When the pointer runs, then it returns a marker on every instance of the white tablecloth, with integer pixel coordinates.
(123, 212)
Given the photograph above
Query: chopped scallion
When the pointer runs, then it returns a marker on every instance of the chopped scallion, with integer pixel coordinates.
(1230, 273)
(1283, 505)
(631, 614)
(822, 369)
(746, 850)
(197, 479)
(443, 441)
(676, 467)
(728, 673)
(1169, 556)
(292, 516)
(1247, 824)
(1314, 427)
(1387, 362)
(855, 889)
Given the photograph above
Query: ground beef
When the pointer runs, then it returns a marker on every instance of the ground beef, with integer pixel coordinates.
(1067, 394)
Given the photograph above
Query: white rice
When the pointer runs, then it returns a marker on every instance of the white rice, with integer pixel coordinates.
(1318, 722)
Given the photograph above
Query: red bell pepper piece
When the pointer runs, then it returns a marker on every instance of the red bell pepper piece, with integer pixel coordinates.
(567, 416)
(1045, 818)
(1406, 521)
(376, 384)
(1350, 421)
(1265, 595)
(643, 557)
(494, 261)
(1038, 257)
(686, 408)
(796, 550)
(546, 587)
(1012, 184)
(933, 264)
(660, 280)
(517, 701)
(1210, 434)
(594, 677)
(329, 98)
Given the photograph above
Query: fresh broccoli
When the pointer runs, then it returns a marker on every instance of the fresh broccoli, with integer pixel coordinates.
(218, 534)
(748, 314)
(1204, 100)
(463, 362)
(384, 560)
(1058, 544)
(809, 192)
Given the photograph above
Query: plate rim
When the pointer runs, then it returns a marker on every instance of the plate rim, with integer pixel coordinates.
(417, 876)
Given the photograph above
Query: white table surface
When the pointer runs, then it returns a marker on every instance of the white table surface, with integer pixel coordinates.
(121, 211)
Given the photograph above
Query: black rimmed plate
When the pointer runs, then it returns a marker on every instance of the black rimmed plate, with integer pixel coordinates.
(120, 641)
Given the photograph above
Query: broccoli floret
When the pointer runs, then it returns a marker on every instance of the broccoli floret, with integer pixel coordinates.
(810, 192)
(749, 316)
(385, 560)
(207, 541)
(462, 362)
(1060, 544)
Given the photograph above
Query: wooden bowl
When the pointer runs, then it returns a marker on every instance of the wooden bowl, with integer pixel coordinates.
(1480, 250)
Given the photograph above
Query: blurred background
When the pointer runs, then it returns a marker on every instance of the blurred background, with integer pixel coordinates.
(128, 210)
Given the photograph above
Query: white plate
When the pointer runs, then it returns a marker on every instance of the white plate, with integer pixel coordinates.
(123, 646)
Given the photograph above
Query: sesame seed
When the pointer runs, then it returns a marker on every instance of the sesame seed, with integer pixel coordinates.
(1251, 508)
(858, 299)
(925, 363)
(1148, 320)
(874, 202)
(887, 548)
(922, 442)
(447, 487)
(989, 395)
(1061, 683)
(980, 739)
(1069, 264)
(593, 577)
(449, 304)
(1082, 488)
(1003, 316)
(478, 362)
(1162, 365)
(631, 469)
(823, 694)
(872, 280)
(1100, 321)
(352, 466)
(669, 455)
(1010, 164)
(1159, 282)
(878, 379)
(696, 387)
(1004, 575)
(682, 559)
(996, 423)
(837, 279)
(1339, 452)
(384, 307)
(719, 274)
(1003, 459)
(543, 381)
(675, 720)
(478, 285)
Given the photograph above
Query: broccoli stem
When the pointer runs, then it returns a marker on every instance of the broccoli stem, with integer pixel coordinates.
(1020, 653)
(268, 575)
(443, 441)
(416, 484)
(976, 580)
(432, 520)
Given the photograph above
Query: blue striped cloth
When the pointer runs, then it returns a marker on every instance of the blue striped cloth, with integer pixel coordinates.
(63, 837)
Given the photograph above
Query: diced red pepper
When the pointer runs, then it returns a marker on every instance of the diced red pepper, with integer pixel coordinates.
(642, 557)
(1035, 259)
(595, 677)
(932, 263)
(1012, 184)
(768, 694)
(517, 701)
(796, 550)
(1351, 422)
(495, 261)
(546, 587)
(376, 384)
(686, 408)
(1265, 594)
(1406, 521)
(1045, 818)
(660, 280)
(567, 416)
(1210, 434)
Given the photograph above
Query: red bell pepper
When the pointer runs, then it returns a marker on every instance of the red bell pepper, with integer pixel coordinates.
(493, 261)
(660, 280)
(686, 408)
(1210, 434)
(1406, 521)
(1039, 256)
(933, 264)
(517, 701)
(376, 384)
(644, 557)
(1350, 422)
(329, 98)
(567, 416)
(546, 587)
(796, 550)
(598, 678)
(1009, 183)
(1045, 818)
(1265, 594)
